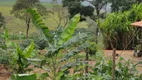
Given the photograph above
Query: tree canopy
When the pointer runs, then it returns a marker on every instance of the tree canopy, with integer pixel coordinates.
(122, 5)
(75, 6)
(20, 7)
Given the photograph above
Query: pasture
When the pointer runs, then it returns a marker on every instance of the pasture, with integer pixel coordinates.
(15, 25)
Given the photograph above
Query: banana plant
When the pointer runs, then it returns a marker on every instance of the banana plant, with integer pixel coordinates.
(60, 39)
(20, 57)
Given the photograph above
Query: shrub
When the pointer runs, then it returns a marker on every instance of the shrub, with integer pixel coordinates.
(2, 44)
(92, 48)
(39, 43)
(4, 57)
(19, 62)
(125, 70)
(25, 43)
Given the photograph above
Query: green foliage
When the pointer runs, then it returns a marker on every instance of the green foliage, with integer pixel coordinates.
(42, 76)
(2, 44)
(39, 43)
(5, 49)
(125, 70)
(4, 57)
(38, 22)
(117, 30)
(19, 61)
(22, 36)
(69, 30)
(92, 49)
(20, 7)
(58, 40)
(121, 5)
(75, 7)
(23, 77)
(2, 20)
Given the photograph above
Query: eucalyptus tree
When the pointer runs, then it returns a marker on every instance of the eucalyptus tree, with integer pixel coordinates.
(19, 10)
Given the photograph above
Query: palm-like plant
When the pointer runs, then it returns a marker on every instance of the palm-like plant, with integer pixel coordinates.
(58, 40)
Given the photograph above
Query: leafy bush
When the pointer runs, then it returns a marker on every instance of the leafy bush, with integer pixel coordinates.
(23, 36)
(25, 43)
(4, 57)
(92, 49)
(125, 70)
(19, 62)
(39, 43)
(2, 44)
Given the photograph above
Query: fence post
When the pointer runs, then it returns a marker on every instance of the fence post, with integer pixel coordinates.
(113, 63)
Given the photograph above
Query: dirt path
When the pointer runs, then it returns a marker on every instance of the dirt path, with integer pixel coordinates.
(4, 74)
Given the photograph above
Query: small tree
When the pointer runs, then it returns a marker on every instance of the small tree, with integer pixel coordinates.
(75, 6)
(19, 10)
(59, 14)
(121, 5)
(2, 22)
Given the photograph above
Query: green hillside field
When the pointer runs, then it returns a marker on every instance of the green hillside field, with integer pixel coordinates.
(15, 25)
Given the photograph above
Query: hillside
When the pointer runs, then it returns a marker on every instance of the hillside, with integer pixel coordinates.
(7, 2)
(15, 25)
